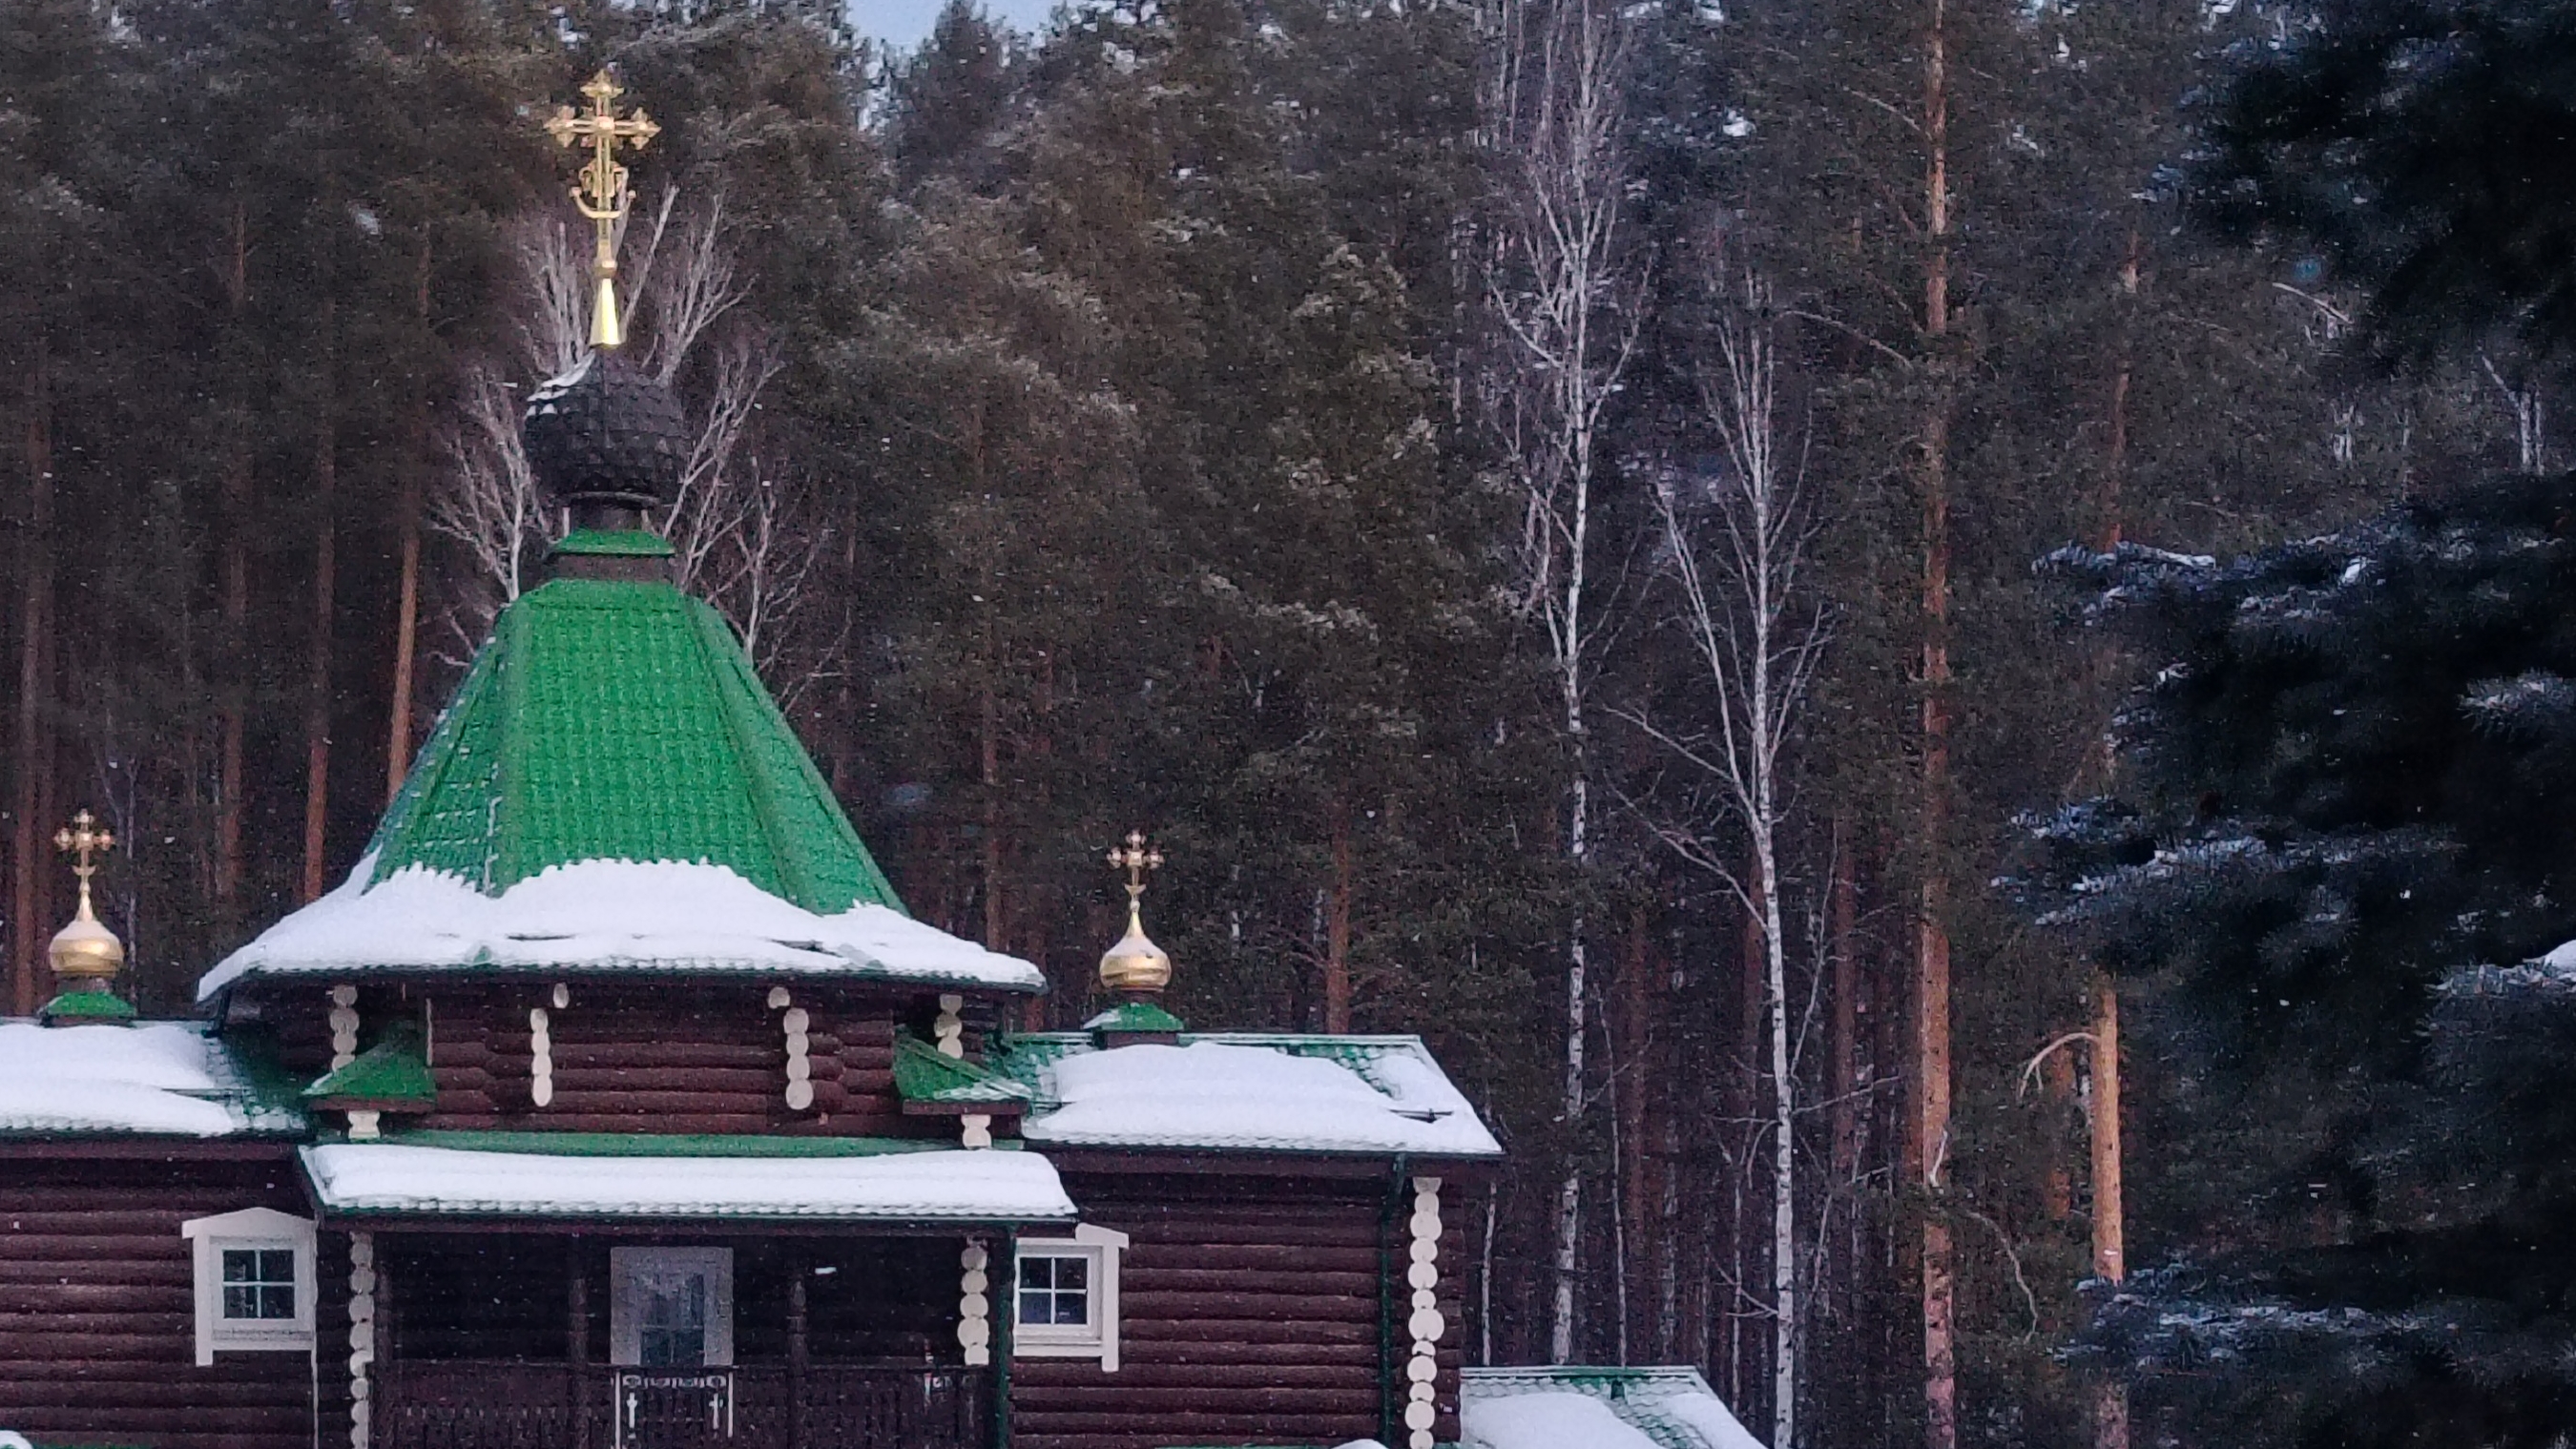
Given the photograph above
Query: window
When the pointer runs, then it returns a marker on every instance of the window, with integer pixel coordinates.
(259, 1284)
(670, 1307)
(1055, 1289)
(1067, 1296)
(254, 1277)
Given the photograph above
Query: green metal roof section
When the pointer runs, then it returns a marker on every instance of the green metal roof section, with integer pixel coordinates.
(1135, 1017)
(86, 1006)
(615, 543)
(648, 1144)
(613, 720)
(930, 1078)
(392, 1075)
(1641, 1396)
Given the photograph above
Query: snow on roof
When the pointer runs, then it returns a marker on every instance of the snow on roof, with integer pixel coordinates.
(942, 1186)
(1578, 1407)
(1547, 1421)
(1259, 1093)
(605, 915)
(159, 1077)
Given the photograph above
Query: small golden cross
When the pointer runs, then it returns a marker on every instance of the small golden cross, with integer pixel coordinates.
(83, 839)
(1135, 858)
(602, 194)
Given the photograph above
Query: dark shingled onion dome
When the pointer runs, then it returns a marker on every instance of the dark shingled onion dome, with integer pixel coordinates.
(606, 441)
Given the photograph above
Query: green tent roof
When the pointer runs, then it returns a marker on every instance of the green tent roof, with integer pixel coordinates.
(612, 720)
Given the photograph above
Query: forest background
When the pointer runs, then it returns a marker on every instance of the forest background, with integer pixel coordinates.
(1342, 437)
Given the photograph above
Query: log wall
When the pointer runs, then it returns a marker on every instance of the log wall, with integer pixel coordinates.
(1250, 1313)
(637, 1056)
(98, 1308)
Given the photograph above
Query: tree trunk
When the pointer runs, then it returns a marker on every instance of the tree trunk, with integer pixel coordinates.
(1844, 1048)
(1337, 925)
(317, 700)
(2110, 1252)
(2110, 1255)
(407, 526)
(1932, 942)
(35, 676)
(1636, 1177)
(235, 702)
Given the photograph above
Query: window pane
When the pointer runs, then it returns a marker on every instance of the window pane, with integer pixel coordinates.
(1073, 1273)
(674, 1330)
(259, 1283)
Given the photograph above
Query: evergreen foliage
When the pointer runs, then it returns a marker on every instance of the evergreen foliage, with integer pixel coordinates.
(2417, 145)
(2337, 850)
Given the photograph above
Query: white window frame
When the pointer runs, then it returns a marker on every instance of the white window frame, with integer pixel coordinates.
(1098, 1339)
(626, 1310)
(251, 1229)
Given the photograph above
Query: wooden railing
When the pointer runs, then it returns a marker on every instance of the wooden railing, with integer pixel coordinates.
(475, 1404)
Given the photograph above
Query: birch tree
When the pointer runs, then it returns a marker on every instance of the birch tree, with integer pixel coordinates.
(1735, 544)
(1564, 293)
(732, 540)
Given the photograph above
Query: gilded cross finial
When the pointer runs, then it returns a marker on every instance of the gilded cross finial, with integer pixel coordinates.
(602, 193)
(1135, 858)
(81, 840)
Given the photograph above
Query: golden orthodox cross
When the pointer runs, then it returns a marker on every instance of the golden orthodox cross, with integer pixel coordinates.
(602, 194)
(1135, 858)
(81, 840)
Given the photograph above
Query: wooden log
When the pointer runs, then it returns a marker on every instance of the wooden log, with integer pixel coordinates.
(158, 1272)
(1184, 1420)
(1139, 1277)
(1296, 1307)
(1133, 1329)
(666, 1054)
(691, 1081)
(1358, 1353)
(1246, 1259)
(67, 1248)
(1277, 1234)
(1108, 1394)
(141, 1222)
(55, 1348)
(288, 1392)
(261, 1419)
(174, 1322)
(1217, 1382)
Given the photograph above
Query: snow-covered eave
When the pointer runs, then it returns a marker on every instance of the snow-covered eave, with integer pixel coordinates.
(1413, 1157)
(606, 918)
(944, 1189)
(620, 968)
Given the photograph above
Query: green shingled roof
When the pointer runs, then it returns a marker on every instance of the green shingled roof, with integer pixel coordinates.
(930, 1080)
(392, 1075)
(610, 720)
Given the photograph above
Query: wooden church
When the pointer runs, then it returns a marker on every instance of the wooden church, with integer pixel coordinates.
(614, 1102)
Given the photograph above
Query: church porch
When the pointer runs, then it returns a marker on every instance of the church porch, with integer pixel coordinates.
(577, 1340)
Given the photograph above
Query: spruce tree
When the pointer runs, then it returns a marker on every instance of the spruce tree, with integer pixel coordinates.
(2337, 847)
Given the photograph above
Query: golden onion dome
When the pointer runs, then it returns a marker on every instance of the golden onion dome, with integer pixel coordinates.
(86, 949)
(85, 953)
(1135, 964)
